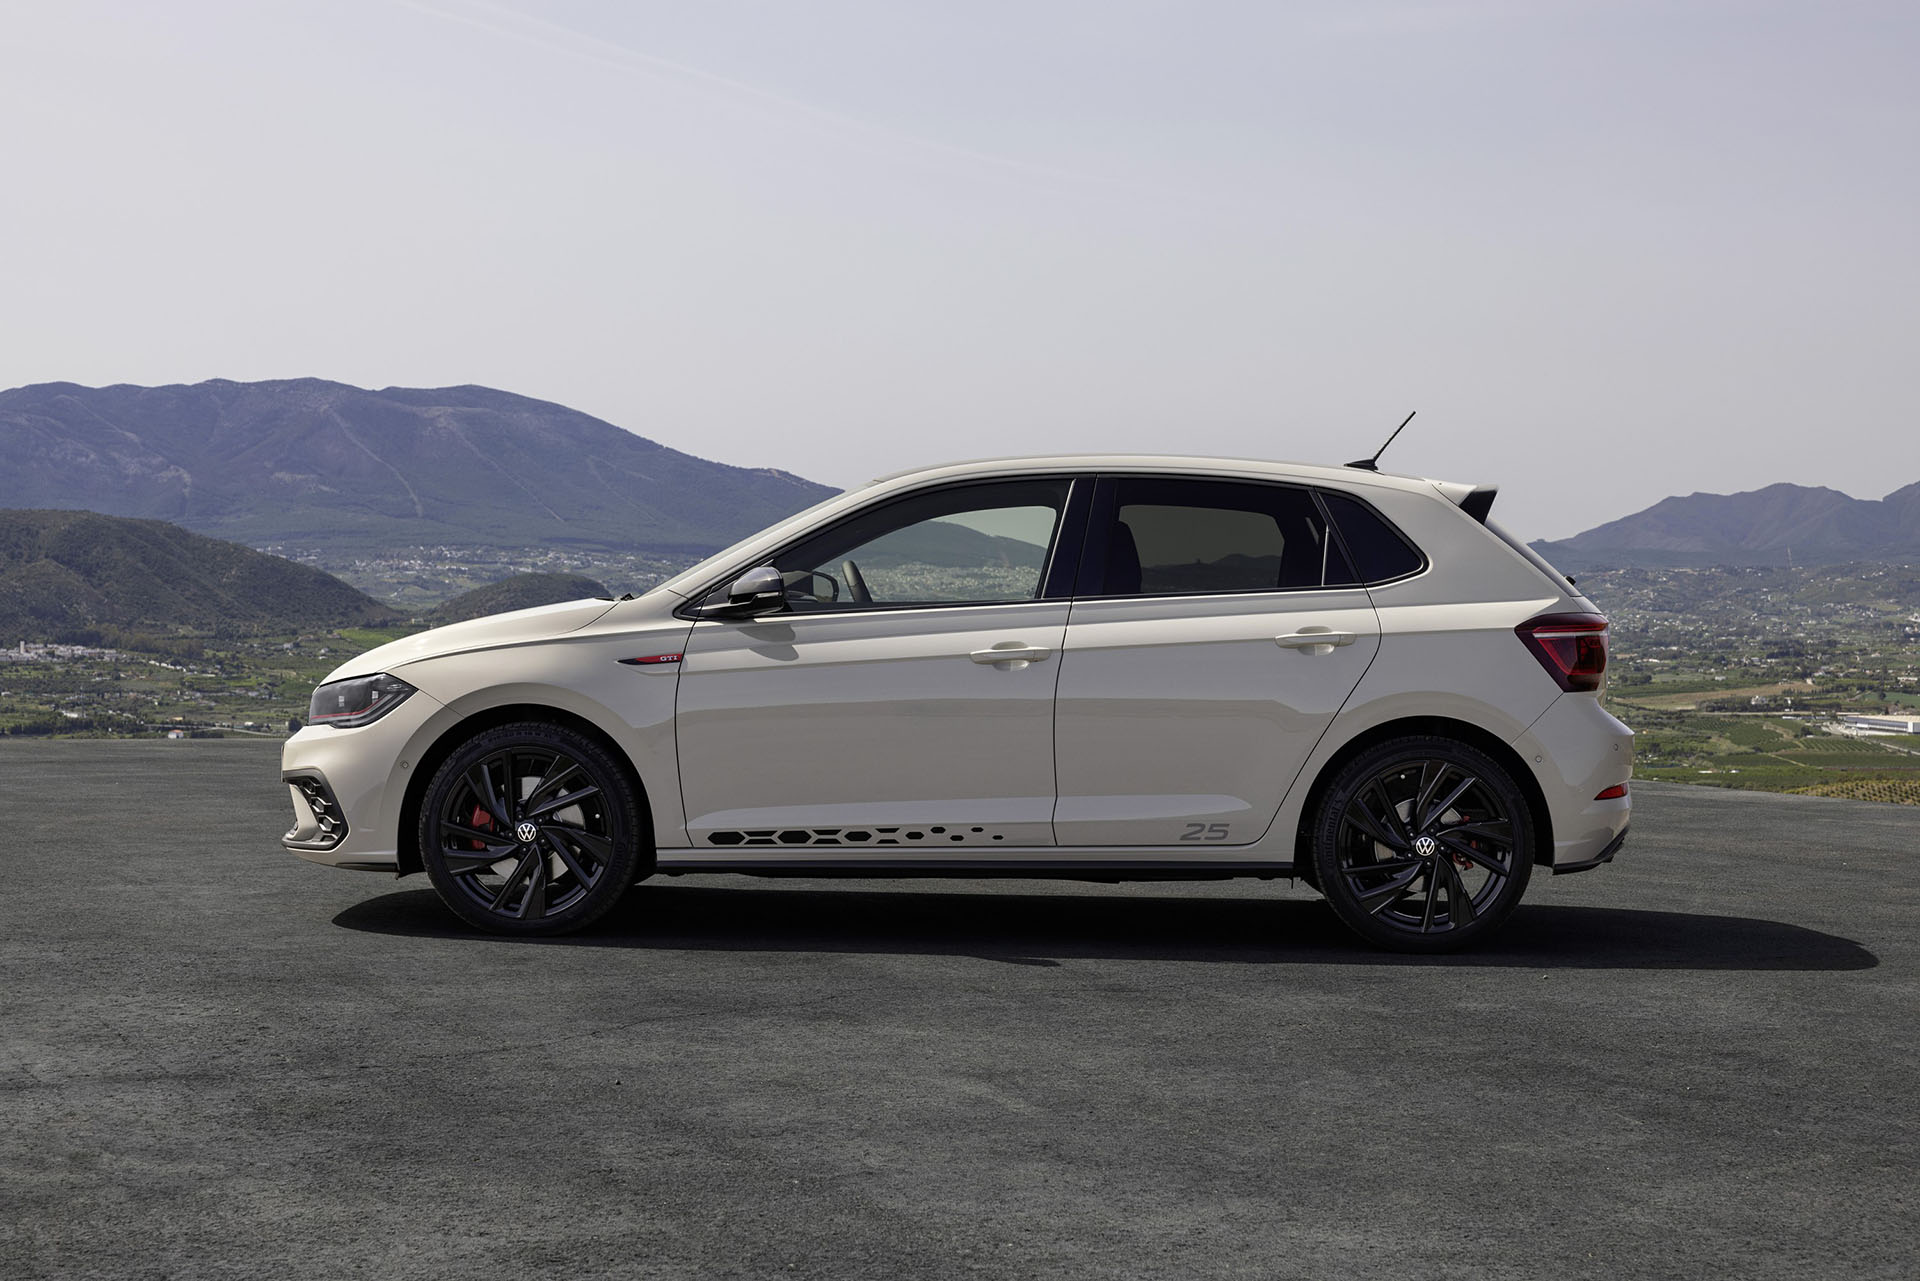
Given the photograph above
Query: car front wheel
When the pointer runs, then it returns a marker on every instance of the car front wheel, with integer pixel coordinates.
(1423, 844)
(530, 828)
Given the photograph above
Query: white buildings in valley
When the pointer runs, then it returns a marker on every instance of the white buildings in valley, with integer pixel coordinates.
(1883, 724)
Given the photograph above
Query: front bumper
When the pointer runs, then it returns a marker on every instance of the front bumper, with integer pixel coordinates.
(348, 787)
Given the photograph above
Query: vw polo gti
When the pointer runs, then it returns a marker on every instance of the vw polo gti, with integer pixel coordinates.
(1096, 667)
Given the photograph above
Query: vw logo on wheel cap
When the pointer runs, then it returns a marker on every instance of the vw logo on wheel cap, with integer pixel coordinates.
(527, 833)
(1425, 846)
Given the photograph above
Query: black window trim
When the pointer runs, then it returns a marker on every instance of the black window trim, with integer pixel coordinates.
(1101, 514)
(1057, 576)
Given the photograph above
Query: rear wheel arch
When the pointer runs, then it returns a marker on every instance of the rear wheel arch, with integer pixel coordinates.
(449, 742)
(1439, 727)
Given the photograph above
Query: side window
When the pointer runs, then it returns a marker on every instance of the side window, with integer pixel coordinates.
(1380, 551)
(1164, 536)
(967, 544)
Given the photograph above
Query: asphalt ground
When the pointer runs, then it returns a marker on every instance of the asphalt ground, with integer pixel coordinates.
(221, 1061)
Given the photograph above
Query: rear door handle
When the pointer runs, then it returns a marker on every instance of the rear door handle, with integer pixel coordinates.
(1315, 640)
(1010, 655)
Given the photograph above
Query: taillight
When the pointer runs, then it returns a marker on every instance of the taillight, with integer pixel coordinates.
(1572, 647)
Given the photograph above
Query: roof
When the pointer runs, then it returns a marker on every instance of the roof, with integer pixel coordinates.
(1159, 463)
(1311, 473)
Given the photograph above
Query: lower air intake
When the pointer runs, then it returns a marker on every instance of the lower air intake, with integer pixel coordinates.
(319, 822)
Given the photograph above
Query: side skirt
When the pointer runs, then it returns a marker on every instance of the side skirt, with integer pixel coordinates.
(1105, 866)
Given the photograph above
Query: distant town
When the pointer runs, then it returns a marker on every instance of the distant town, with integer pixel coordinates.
(1796, 680)
(420, 577)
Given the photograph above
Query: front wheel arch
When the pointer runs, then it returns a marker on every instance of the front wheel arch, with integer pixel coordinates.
(1430, 726)
(449, 742)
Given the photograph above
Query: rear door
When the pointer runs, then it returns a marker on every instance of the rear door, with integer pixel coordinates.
(1218, 630)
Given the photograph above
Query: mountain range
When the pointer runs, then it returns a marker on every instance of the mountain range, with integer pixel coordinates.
(330, 470)
(1779, 525)
(325, 467)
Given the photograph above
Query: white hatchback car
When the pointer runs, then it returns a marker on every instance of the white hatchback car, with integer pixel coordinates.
(1094, 667)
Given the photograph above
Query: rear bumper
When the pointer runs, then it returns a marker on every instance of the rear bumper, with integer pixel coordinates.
(1576, 751)
(1604, 856)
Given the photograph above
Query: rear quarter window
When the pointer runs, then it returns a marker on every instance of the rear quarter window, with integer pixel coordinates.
(1380, 552)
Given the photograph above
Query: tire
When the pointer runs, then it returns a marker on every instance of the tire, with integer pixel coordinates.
(504, 856)
(1423, 844)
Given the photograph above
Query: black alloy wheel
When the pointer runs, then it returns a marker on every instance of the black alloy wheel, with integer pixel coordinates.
(530, 829)
(1423, 844)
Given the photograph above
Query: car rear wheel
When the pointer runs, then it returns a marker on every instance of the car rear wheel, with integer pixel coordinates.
(1423, 844)
(530, 829)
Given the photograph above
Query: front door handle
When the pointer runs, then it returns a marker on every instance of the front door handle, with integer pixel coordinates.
(1009, 656)
(1314, 640)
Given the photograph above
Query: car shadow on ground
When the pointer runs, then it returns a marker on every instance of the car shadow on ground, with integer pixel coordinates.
(1044, 929)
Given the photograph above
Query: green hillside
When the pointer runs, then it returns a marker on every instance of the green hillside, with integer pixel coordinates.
(64, 573)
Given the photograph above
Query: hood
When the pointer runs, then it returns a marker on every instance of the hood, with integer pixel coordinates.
(492, 632)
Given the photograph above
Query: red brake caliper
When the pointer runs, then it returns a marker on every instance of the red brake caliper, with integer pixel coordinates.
(484, 821)
(1460, 860)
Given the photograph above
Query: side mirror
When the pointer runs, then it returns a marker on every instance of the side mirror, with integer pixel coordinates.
(758, 591)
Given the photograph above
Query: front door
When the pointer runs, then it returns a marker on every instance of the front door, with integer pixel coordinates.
(1193, 688)
(905, 696)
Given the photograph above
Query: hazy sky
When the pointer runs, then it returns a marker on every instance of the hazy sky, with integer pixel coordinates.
(1610, 251)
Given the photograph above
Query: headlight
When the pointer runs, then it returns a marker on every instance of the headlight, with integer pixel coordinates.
(359, 701)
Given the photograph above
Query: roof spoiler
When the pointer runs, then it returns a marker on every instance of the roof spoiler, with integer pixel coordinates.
(1475, 500)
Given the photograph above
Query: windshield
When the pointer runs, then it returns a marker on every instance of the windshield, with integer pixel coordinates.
(688, 581)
